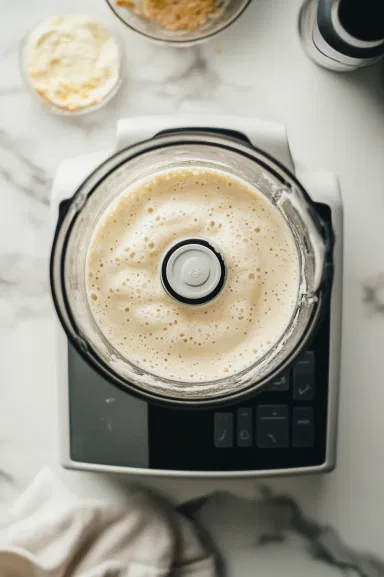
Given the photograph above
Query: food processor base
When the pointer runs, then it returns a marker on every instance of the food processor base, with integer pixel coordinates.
(288, 427)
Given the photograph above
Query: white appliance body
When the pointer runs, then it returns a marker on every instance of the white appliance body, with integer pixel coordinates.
(323, 188)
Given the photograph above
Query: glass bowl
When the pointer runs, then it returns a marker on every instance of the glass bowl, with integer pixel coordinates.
(51, 106)
(229, 11)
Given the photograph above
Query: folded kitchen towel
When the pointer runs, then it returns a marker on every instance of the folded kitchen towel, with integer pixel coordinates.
(54, 533)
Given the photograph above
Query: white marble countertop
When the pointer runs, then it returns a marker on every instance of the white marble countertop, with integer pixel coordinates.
(334, 122)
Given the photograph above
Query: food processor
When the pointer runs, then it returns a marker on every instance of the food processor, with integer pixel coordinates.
(278, 415)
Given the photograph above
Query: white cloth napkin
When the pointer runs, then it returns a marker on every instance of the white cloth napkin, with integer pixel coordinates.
(56, 534)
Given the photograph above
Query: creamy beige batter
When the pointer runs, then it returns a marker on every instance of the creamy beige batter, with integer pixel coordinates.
(163, 336)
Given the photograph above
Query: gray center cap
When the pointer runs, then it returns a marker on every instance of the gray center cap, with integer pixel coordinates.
(194, 271)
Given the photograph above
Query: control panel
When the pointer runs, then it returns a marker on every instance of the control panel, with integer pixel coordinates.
(283, 426)
(274, 426)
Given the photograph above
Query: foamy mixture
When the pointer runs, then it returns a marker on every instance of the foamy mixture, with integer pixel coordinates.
(168, 338)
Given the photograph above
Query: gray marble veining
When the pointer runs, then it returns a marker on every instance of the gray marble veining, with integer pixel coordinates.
(322, 543)
(373, 294)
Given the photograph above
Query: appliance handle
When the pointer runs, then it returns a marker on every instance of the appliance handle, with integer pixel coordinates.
(268, 136)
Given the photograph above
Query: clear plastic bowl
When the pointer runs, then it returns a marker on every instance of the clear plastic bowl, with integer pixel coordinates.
(229, 11)
(207, 150)
(62, 111)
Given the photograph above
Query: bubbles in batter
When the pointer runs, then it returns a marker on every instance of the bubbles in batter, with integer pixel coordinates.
(163, 336)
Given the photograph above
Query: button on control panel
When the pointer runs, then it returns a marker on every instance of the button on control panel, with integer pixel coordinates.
(302, 427)
(280, 383)
(223, 430)
(303, 376)
(272, 426)
(244, 428)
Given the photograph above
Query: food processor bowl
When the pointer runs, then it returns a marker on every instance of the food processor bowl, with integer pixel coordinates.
(228, 12)
(80, 215)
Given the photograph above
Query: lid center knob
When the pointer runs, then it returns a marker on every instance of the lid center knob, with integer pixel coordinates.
(193, 271)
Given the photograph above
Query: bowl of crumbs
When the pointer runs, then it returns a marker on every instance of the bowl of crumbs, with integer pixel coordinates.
(178, 22)
(72, 63)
